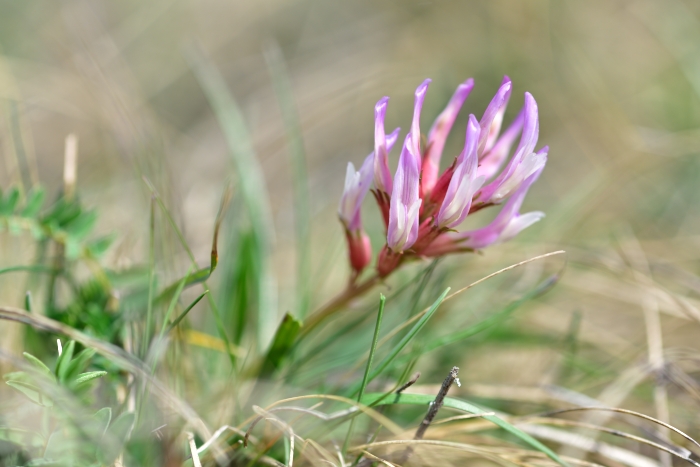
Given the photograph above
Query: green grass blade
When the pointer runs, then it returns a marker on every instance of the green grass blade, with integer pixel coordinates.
(494, 319)
(404, 341)
(365, 376)
(184, 313)
(285, 97)
(250, 180)
(29, 268)
(215, 310)
(173, 303)
(284, 340)
(375, 399)
(151, 279)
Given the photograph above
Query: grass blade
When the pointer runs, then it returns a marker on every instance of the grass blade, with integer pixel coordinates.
(173, 303)
(424, 399)
(285, 96)
(250, 179)
(365, 376)
(494, 319)
(404, 341)
(174, 324)
(284, 340)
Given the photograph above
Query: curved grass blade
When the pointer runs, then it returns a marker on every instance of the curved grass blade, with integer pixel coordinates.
(404, 341)
(424, 399)
(281, 344)
(174, 324)
(250, 179)
(365, 376)
(285, 97)
(494, 319)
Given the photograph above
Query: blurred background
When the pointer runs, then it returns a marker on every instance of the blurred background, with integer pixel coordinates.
(618, 88)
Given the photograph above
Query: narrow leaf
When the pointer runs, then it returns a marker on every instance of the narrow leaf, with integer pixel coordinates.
(281, 344)
(38, 364)
(376, 399)
(184, 313)
(64, 361)
(34, 202)
(79, 363)
(89, 376)
(32, 392)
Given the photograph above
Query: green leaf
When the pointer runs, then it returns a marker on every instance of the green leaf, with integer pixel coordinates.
(99, 246)
(17, 376)
(115, 438)
(34, 202)
(377, 399)
(59, 446)
(78, 364)
(281, 344)
(81, 226)
(64, 360)
(84, 378)
(38, 364)
(25, 438)
(32, 392)
(102, 418)
(9, 203)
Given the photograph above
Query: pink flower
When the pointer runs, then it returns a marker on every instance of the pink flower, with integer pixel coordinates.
(464, 182)
(405, 202)
(524, 163)
(507, 224)
(493, 117)
(405, 197)
(382, 147)
(438, 135)
(421, 209)
(357, 184)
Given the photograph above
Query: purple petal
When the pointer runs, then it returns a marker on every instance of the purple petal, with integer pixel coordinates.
(523, 159)
(463, 184)
(405, 201)
(493, 160)
(438, 135)
(493, 116)
(506, 224)
(356, 187)
(417, 106)
(531, 127)
(382, 175)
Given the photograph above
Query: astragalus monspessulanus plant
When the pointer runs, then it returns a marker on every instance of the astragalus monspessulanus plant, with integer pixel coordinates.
(421, 208)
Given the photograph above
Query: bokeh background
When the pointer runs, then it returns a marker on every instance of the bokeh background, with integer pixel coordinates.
(618, 88)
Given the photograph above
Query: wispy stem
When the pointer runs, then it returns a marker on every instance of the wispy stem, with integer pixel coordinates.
(365, 377)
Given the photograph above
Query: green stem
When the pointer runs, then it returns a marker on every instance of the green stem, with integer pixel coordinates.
(351, 292)
(365, 377)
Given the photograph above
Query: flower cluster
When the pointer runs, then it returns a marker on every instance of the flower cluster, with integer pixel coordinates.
(422, 208)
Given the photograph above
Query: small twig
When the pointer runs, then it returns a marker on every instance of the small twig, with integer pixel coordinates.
(429, 417)
(408, 383)
(437, 403)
